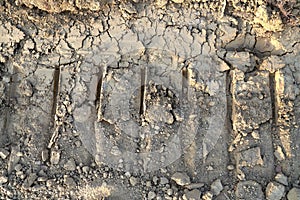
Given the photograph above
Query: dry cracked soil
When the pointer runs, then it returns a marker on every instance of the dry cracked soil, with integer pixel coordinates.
(162, 99)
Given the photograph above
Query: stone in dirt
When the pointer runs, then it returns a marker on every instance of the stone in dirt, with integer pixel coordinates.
(85, 169)
(279, 154)
(274, 191)
(133, 180)
(181, 178)
(230, 167)
(13, 159)
(151, 195)
(55, 156)
(249, 190)
(208, 196)
(294, 194)
(216, 187)
(30, 180)
(281, 178)
(45, 155)
(3, 179)
(192, 195)
(70, 165)
(163, 180)
(4, 153)
(69, 181)
(194, 186)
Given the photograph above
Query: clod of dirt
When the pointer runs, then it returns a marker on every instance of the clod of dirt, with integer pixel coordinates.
(249, 158)
(239, 60)
(249, 190)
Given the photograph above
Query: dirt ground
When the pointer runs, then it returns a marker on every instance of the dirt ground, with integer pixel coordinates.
(165, 99)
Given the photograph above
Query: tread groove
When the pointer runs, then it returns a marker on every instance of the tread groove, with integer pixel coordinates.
(98, 95)
(56, 85)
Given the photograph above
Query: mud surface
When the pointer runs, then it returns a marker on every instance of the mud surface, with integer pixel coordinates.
(149, 99)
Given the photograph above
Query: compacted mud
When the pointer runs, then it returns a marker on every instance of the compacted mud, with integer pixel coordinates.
(150, 99)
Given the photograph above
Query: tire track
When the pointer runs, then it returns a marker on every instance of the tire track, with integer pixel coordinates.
(287, 102)
(252, 146)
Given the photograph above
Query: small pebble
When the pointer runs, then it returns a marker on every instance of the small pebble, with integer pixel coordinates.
(181, 178)
(230, 167)
(216, 187)
(69, 181)
(294, 194)
(78, 143)
(45, 155)
(133, 180)
(255, 135)
(274, 191)
(279, 154)
(3, 179)
(164, 181)
(55, 157)
(281, 178)
(151, 195)
(194, 186)
(169, 191)
(42, 179)
(18, 167)
(4, 153)
(207, 196)
(155, 180)
(70, 165)
(86, 169)
(148, 184)
(192, 195)
(30, 180)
